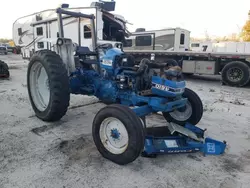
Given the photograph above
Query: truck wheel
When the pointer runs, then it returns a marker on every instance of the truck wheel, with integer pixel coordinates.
(118, 134)
(191, 113)
(48, 85)
(4, 70)
(236, 74)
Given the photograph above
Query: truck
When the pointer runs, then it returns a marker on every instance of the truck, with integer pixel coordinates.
(31, 32)
(234, 67)
(224, 46)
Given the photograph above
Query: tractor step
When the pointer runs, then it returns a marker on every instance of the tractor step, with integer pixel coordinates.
(178, 139)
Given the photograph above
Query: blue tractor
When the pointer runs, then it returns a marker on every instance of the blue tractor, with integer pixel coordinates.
(131, 92)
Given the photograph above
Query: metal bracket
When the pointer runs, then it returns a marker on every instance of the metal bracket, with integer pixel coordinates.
(173, 127)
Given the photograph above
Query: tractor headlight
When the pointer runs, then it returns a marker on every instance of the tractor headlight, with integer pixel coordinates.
(59, 42)
(124, 60)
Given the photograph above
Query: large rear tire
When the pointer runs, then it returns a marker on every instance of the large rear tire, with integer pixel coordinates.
(118, 134)
(48, 85)
(236, 74)
(191, 113)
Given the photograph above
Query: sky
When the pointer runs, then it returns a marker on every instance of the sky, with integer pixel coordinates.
(216, 17)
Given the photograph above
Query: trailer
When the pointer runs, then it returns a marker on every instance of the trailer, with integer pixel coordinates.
(227, 46)
(31, 32)
(234, 67)
(169, 39)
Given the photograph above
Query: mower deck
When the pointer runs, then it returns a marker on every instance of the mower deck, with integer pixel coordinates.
(177, 139)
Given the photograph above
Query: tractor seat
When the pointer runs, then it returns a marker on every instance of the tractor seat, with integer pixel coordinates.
(84, 51)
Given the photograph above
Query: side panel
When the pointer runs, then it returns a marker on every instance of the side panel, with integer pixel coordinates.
(199, 67)
(247, 48)
(188, 66)
(241, 47)
(205, 67)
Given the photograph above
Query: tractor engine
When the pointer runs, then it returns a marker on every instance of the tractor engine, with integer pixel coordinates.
(142, 79)
(120, 78)
(119, 68)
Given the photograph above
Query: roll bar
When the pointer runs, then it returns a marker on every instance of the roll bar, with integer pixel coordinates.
(79, 15)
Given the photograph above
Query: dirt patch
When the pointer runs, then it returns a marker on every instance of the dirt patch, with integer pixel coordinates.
(81, 150)
(230, 165)
(229, 182)
(45, 128)
(194, 157)
(237, 102)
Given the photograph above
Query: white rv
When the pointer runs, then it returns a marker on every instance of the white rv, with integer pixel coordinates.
(30, 31)
(172, 39)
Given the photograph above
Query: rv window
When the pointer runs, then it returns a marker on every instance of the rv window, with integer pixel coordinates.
(143, 40)
(128, 43)
(195, 45)
(39, 31)
(87, 31)
(40, 45)
(182, 39)
(19, 30)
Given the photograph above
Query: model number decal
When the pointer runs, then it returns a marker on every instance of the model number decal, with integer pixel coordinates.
(107, 62)
(161, 87)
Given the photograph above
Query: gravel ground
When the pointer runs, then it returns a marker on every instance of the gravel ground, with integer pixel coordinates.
(34, 153)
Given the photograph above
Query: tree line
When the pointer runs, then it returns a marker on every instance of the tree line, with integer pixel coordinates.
(5, 40)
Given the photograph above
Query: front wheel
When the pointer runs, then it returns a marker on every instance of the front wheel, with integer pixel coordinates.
(191, 113)
(118, 134)
(48, 85)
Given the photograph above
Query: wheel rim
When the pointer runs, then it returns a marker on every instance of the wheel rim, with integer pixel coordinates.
(182, 115)
(235, 74)
(114, 135)
(39, 86)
